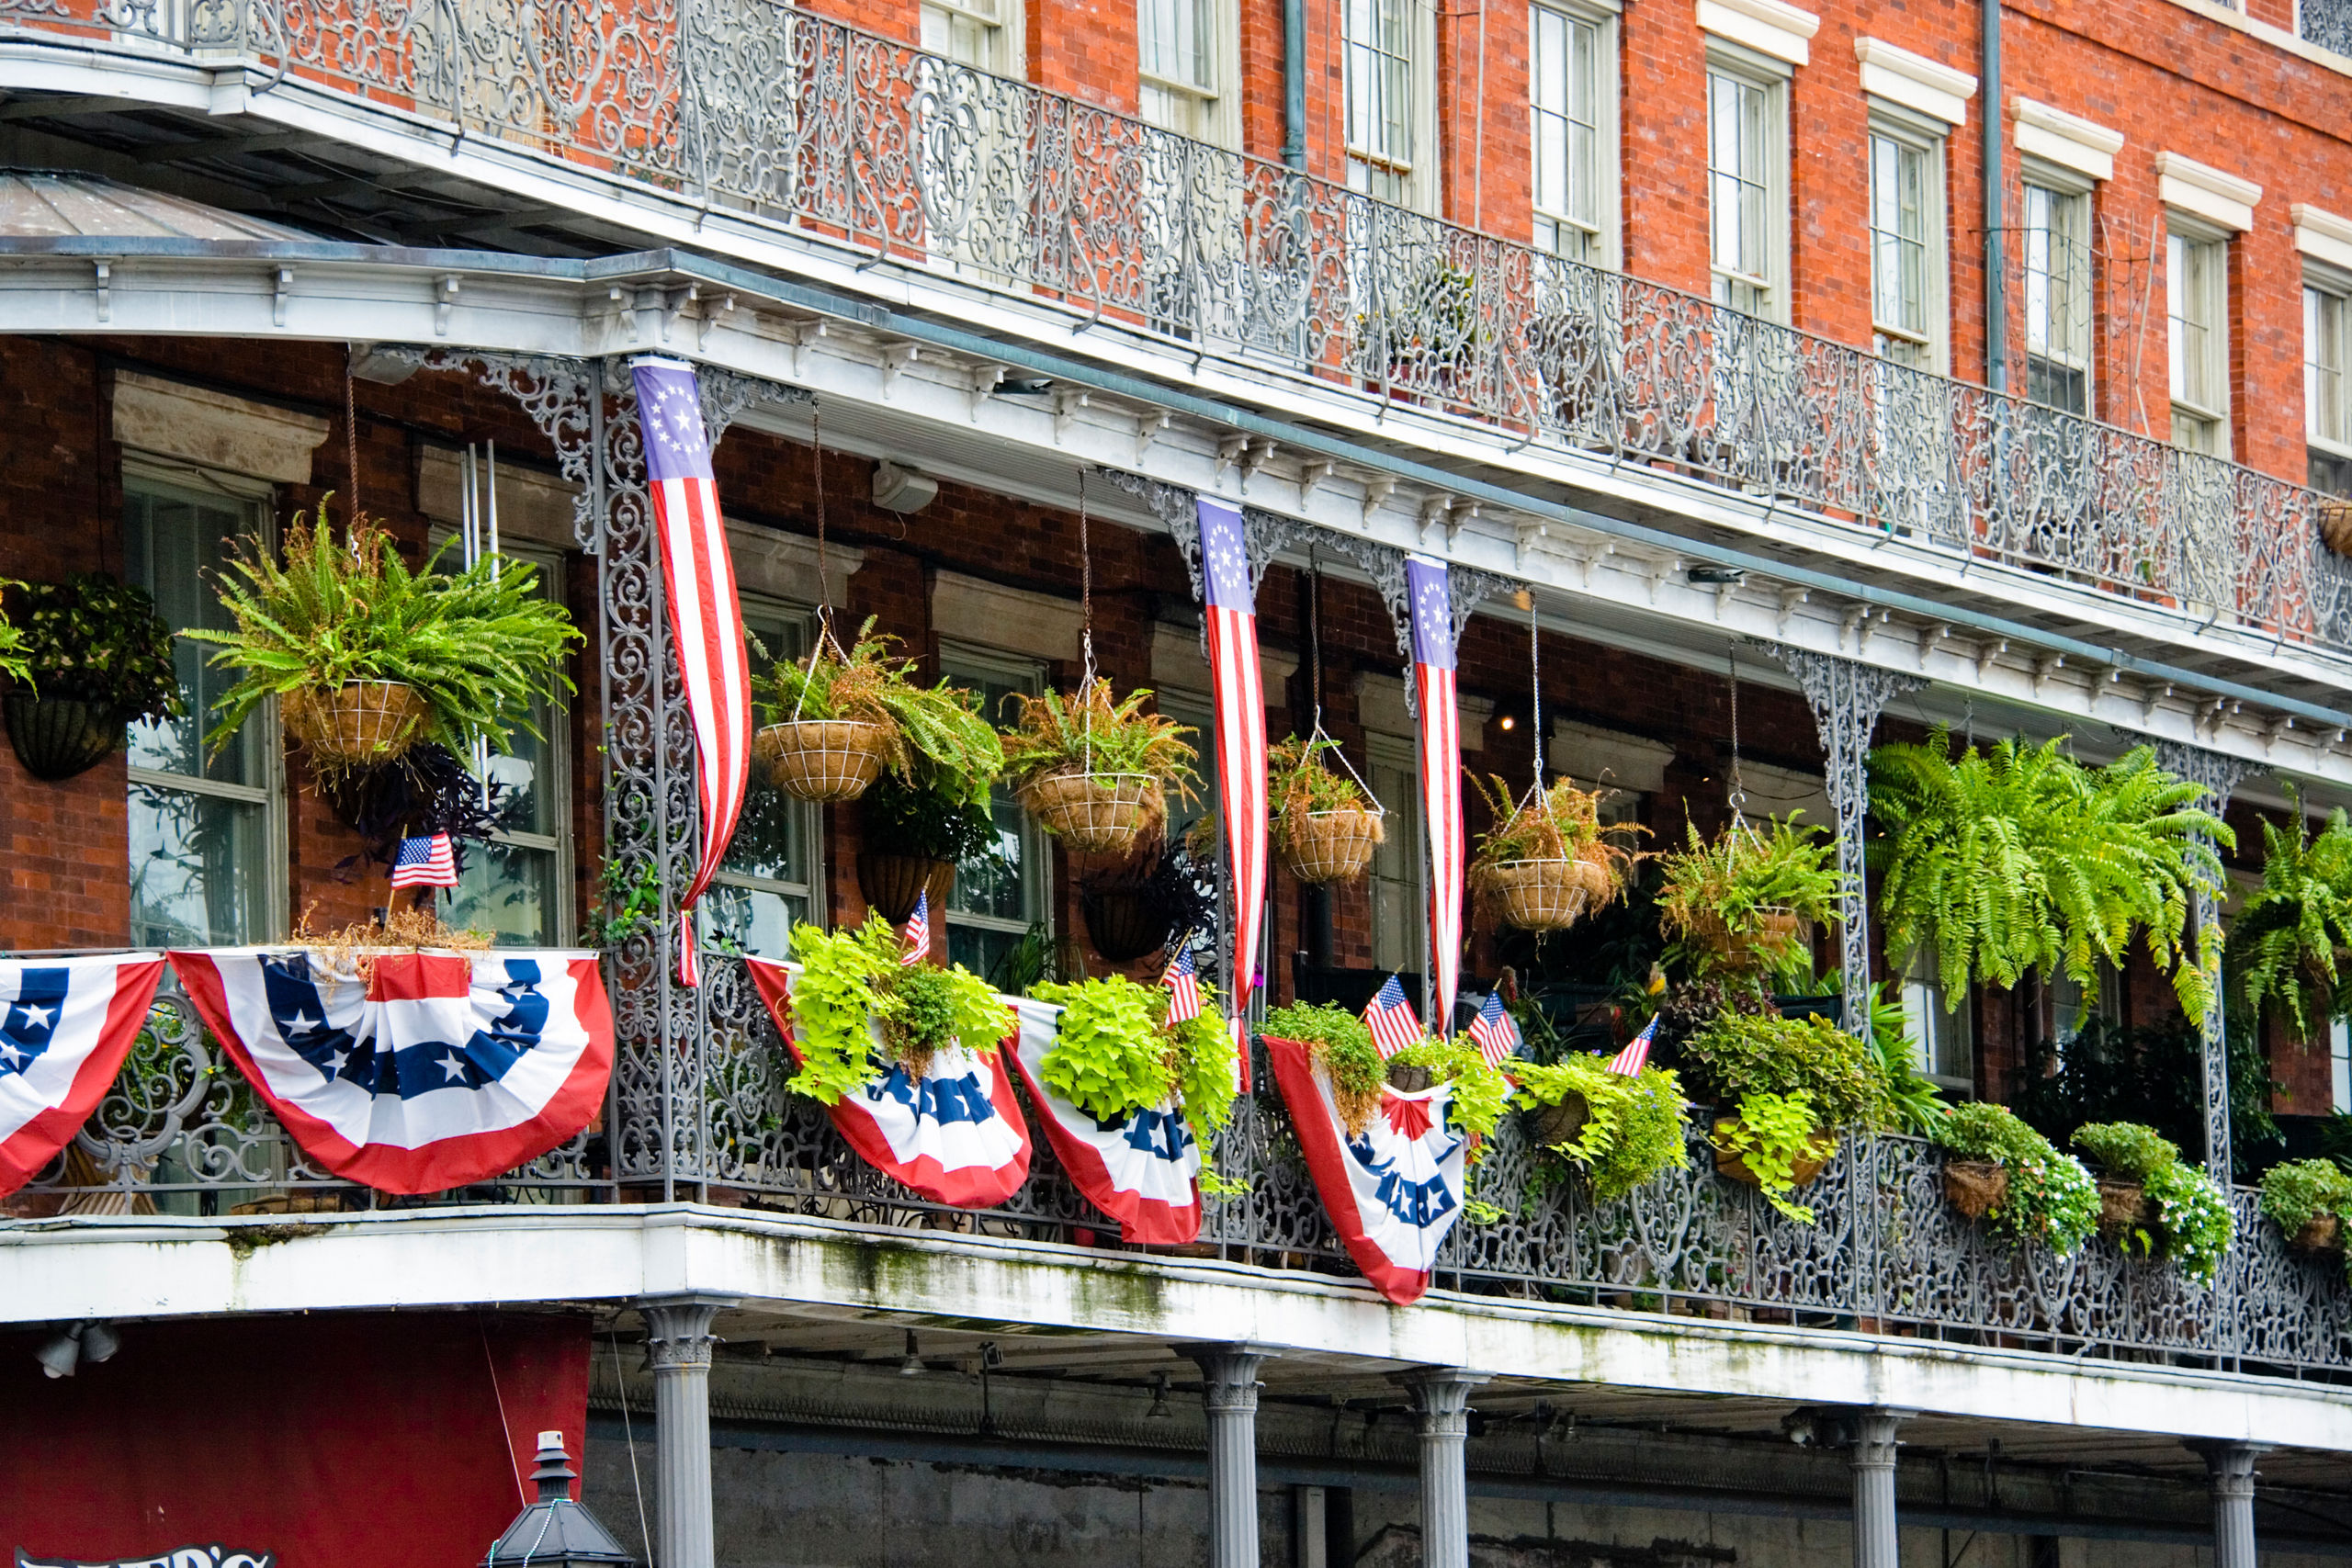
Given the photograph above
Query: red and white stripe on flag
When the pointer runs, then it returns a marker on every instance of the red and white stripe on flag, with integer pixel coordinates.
(66, 1024)
(426, 861)
(1636, 1054)
(438, 1070)
(953, 1134)
(1238, 686)
(705, 617)
(1142, 1169)
(1431, 604)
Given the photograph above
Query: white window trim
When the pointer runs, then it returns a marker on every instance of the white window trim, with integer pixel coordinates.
(1915, 83)
(2327, 279)
(274, 915)
(1772, 75)
(2322, 236)
(1223, 128)
(1781, 32)
(1927, 135)
(2065, 180)
(1011, 33)
(1610, 247)
(1421, 185)
(2065, 140)
(2220, 200)
(2200, 233)
(1037, 850)
(1608, 759)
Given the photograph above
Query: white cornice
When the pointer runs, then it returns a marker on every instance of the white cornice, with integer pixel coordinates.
(2205, 192)
(1914, 81)
(2066, 140)
(2322, 235)
(1767, 26)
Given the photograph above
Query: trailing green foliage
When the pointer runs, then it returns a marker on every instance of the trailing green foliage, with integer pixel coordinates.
(1561, 822)
(1116, 1053)
(480, 647)
(13, 662)
(1481, 1093)
(624, 906)
(1634, 1126)
(1339, 1041)
(851, 977)
(1740, 1056)
(937, 737)
(2052, 1197)
(2196, 1217)
(2126, 1150)
(2283, 946)
(1732, 884)
(2295, 1191)
(1038, 957)
(1772, 1132)
(92, 639)
(2020, 859)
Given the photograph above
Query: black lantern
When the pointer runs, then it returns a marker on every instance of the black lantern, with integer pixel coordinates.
(555, 1531)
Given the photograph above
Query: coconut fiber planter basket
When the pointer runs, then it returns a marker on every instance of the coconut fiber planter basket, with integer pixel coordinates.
(360, 724)
(1319, 847)
(820, 760)
(1092, 813)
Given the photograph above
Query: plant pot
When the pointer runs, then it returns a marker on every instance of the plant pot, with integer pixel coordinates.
(892, 884)
(1329, 846)
(1802, 1171)
(1409, 1079)
(1121, 924)
(1974, 1186)
(2320, 1232)
(2335, 519)
(57, 738)
(1543, 894)
(1777, 934)
(360, 724)
(821, 759)
(2124, 1207)
(1549, 1124)
(1092, 813)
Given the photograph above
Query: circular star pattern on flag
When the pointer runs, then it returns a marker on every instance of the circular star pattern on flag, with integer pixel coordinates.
(677, 421)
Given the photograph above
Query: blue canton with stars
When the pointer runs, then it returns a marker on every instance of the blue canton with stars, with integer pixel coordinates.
(30, 1024)
(1432, 611)
(1225, 558)
(670, 404)
(416, 1067)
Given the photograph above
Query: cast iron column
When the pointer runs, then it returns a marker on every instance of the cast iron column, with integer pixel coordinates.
(1442, 1395)
(1229, 1394)
(1875, 1543)
(2219, 774)
(678, 1342)
(2232, 1469)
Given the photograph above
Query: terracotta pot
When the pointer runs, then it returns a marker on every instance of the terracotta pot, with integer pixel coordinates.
(360, 724)
(1329, 846)
(2336, 526)
(57, 738)
(1121, 924)
(1542, 895)
(1549, 1124)
(892, 883)
(2123, 1207)
(821, 759)
(1092, 813)
(1973, 1186)
(2320, 1232)
(1802, 1171)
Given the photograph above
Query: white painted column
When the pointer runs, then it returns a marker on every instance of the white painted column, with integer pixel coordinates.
(678, 1343)
(1876, 1545)
(1441, 1396)
(2231, 1467)
(1229, 1395)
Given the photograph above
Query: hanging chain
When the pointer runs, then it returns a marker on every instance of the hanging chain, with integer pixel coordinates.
(1737, 796)
(351, 447)
(1535, 686)
(824, 638)
(1315, 628)
(1086, 620)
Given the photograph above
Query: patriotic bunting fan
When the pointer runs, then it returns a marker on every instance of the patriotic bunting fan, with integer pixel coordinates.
(66, 1024)
(1141, 1170)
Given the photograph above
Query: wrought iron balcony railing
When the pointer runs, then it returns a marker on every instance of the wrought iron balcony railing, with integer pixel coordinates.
(180, 1134)
(848, 137)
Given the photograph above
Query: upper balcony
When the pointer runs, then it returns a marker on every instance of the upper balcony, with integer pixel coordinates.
(747, 117)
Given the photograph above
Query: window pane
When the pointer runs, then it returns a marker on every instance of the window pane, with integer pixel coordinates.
(756, 920)
(1013, 891)
(2057, 296)
(509, 891)
(194, 864)
(176, 547)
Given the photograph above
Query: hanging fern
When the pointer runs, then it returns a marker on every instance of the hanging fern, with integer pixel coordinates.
(2019, 859)
(2283, 945)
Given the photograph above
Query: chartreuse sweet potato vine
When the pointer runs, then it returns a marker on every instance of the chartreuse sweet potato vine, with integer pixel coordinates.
(1116, 1052)
(852, 986)
(1634, 1126)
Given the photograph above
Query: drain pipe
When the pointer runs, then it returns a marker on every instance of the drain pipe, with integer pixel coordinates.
(1295, 83)
(1997, 311)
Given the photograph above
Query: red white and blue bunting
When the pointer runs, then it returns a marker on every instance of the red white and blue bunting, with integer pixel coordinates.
(441, 1069)
(955, 1135)
(66, 1025)
(1142, 1169)
(1393, 1193)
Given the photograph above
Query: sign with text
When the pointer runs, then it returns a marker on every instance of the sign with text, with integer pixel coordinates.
(215, 1556)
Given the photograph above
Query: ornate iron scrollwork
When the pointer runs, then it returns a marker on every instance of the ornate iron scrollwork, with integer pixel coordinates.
(2217, 774)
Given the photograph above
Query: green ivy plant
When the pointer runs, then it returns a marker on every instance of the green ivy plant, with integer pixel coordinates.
(851, 981)
(2196, 1217)
(13, 662)
(2283, 946)
(2126, 1150)
(936, 737)
(624, 906)
(1116, 1052)
(1772, 1132)
(480, 647)
(2052, 1197)
(1481, 1093)
(1338, 1040)
(1738, 1056)
(2021, 859)
(91, 638)
(2296, 1191)
(1915, 1104)
(1634, 1126)
(1735, 881)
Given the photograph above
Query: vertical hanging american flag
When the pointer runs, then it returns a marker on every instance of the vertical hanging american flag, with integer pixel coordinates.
(1441, 758)
(1232, 618)
(706, 619)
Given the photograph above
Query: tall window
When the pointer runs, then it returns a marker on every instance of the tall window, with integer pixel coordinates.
(2327, 414)
(2340, 1061)
(1572, 92)
(1747, 189)
(1943, 1040)
(2197, 314)
(1383, 47)
(770, 877)
(994, 904)
(2058, 298)
(1177, 44)
(982, 33)
(1398, 916)
(202, 826)
(515, 886)
(1906, 245)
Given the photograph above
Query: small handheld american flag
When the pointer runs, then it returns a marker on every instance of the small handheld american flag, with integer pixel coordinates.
(917, 932)
(425, 861)
(1636, 1054)
(1391, 1019)
(1494, 1030)
(1184, 983)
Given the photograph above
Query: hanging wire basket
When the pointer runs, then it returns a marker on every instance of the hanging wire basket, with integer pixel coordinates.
(1095, 813)
(821, 758)
(1543, 895)
(358, 723)
(1766, 940)
(1319, 847)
